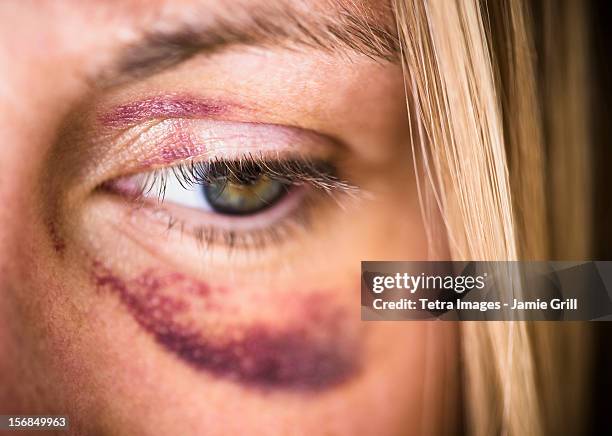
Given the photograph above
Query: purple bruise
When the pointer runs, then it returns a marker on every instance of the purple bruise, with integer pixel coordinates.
(265, 357)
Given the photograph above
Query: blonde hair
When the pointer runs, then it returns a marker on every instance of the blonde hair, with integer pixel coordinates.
(501, 154)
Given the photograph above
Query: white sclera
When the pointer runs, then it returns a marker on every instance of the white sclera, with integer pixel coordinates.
(190, 196)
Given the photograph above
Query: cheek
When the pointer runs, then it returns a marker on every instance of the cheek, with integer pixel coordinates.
(312, 351)
(57, 239)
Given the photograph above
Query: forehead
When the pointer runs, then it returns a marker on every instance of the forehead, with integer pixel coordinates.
(88, 33)
(70, 16)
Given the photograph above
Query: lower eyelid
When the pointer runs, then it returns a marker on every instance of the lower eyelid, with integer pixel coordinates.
(180, 227)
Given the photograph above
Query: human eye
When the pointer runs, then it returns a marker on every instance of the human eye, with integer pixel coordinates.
(233, 188)
(238, 194)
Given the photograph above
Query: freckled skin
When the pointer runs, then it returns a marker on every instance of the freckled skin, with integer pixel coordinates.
(260, 356)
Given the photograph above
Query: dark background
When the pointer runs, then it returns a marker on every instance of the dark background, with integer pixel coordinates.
(601, 22)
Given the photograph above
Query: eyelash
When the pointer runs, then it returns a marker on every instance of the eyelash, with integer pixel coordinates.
(305, 172)
(291, 172)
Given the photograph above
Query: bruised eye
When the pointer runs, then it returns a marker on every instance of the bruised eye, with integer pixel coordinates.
(240, 188)
(249, 200)
(244, 196)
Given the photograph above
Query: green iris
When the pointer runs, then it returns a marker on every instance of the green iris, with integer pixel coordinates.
(244, 197)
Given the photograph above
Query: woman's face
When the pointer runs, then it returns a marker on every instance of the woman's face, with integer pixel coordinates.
(188, 189)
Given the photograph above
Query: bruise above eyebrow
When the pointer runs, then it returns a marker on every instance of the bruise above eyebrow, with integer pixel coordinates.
(353, 29)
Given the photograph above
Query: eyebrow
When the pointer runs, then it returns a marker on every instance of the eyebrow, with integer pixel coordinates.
(347, 29)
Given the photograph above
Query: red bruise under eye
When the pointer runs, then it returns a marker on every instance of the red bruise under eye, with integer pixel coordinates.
(289, 358)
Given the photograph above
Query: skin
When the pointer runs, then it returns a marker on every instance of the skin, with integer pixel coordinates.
(77, 331)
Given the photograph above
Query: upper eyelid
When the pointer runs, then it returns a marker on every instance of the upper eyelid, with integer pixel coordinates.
(171, 141)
